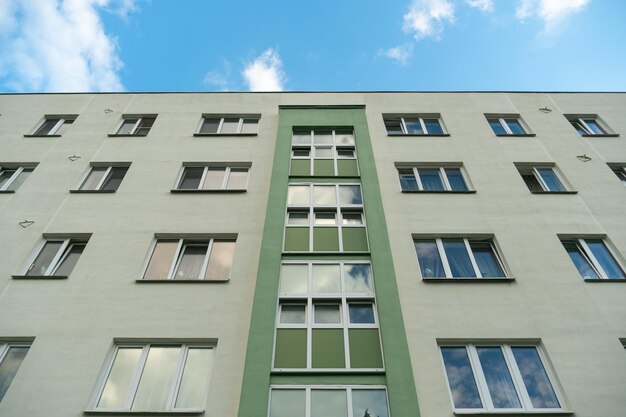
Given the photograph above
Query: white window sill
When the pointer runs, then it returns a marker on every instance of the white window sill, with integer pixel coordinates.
(145, 413)
(326, 371)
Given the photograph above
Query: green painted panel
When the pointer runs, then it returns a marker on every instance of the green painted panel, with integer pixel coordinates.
(325, 239)
(347, 168)
(300, 167)
(296, 239)
(365, 348)
(328, 350)
(290, 348)
(324, 167)
(354, 239)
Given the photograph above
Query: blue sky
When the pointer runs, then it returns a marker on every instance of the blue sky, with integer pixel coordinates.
(194, 45)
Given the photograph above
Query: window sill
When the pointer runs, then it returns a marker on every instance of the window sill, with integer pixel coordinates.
(308, 177)
(605, 135)
(144, 413)
(225, 134)
(115, 135)
(470, 280)
(514, 413)
(605, 280)
(181, 281)
(238, 191)
(42, 136)
(7, 191)
(92, 191)
(39, 277)
(519, 135)
(327, 371)
(438, 192)
(324, 253)
(554, 192)
(400, 135)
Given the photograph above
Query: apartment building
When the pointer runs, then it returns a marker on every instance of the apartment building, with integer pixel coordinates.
(365, 254)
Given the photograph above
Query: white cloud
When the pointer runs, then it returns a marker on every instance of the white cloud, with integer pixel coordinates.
(401, 53)
(59, 45)
(551, 12)
(484, 5)
(265, 73)
(426, 17)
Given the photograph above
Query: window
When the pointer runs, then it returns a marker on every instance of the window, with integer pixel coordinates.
(322, 152)
(12, 176)
(499, 377)
(432, 179)
(11, 357)
(103, 178)
(327, 317)
(229, 125)
(53, 125)
(458, 258)
(325, 218)
(507, 125)
(155, 377)
(56, 257)
(135, 125)
(620, 171)
(593, 259)
(409, 125)
(589, 125)
(326, 401)
(191, 259)
(541, 178)
(213, 177)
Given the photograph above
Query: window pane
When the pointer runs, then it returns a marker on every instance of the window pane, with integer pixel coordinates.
(70, 259)
(220, 260)
(486, 260)
(620, 172)
(161, 260)
(345, 153)
(46, 127)
(535, 378)
(498, 377)
(230, 125)
(369, 402)
(329, 403)
(344, 138)
(324, 195)
(210, 125)
(429, 259)
(325, 218)
(5, 176)
(250, 126)
(350, 194)
(326, 278)
(114, 179)
(358, 279)
(292, 314)
(327, 314)
(157, 378)
(301, 138)
(214, 179)
(302, 152)
(298, 218)
(407, 180)
(323, 138)
(603, 256)
(298, 195)
(191, 178)
(238, 179)
(191, 260)
(455, 178)
(461, 378)
(120, 377)
(144, 126)
(579, 127)
(431, 180)
(532, 182)
(294, 279)
(9, 366)
(433, 127)
(93, 178)
(413, 126)
(393, 126)
(43, 260)
(496, 126)
(458, 258)
(194, 380)
(127, 126)
(361, 313)
(582, 263)
(323, 152)
(351, 218)
(552, 181)
(515, 126)
(594, 127)
(17, 182)
(288, 403)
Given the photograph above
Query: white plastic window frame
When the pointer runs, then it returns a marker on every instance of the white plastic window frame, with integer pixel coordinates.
(60, 256)
(227, 169)
(221, 124)
(310, 299)
(308, 388)
(442, 175)
(104, 178)
(468, 249)
(173, 394)
(312, 147)
(514, 372)
(535, 171)
(16, 174)
(133, 131)
(62, 119)
(505, 125)
(588, 131)
(422, 124)
(587, 253)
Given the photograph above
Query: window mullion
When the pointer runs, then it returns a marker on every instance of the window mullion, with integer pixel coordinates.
(136, 125)
(203, 177)
(240, 125)
(468, 248)
(403, 126)
(205, 263)
(55, 261)
(225, 177)
(57, 126)
(423, 125)
(505, 126)
(103, 179)
(516, 376)
(346, 337)
(309, 326)
(12, 179)
(175, 261)
(444, 178)
(416, 172)
(219, 126)
(4, 348)
(339, 227)
(307, 402)
(541, 181)
(349, 399)
(444, 258)
(137, 377)
(585, 126)
(171, 402)
(479, 377)
(594, 261)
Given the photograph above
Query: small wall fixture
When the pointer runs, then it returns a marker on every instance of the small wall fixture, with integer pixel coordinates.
(107, 110)
(26, 223)
(584, 158)
(545, 109)
(74, 157)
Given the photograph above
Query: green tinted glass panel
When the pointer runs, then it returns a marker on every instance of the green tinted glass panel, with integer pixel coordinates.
(290, 348)
(355, 239)
(297, 239)
(300, 167)
(328, 351)
(347, 168)
(365, 348)
(325, 239)
(323, 167)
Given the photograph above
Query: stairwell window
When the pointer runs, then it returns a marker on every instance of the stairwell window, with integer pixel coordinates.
(414, 125)
(593, 259)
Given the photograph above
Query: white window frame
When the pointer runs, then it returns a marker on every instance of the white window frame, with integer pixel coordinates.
(308, 388)
(442, 175)
(102, 180)
(421, 121)
(227, 169)
(15, 176)
(587, 253)
(505, 125)
(334, 147)
(132, 392)
(221, 123)
(133, 132)
(62, 119)
(4, 349)
(518, 382)
(343, 298)
(466, 241)
(62, 253)
(526, 169)
(588, 131)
